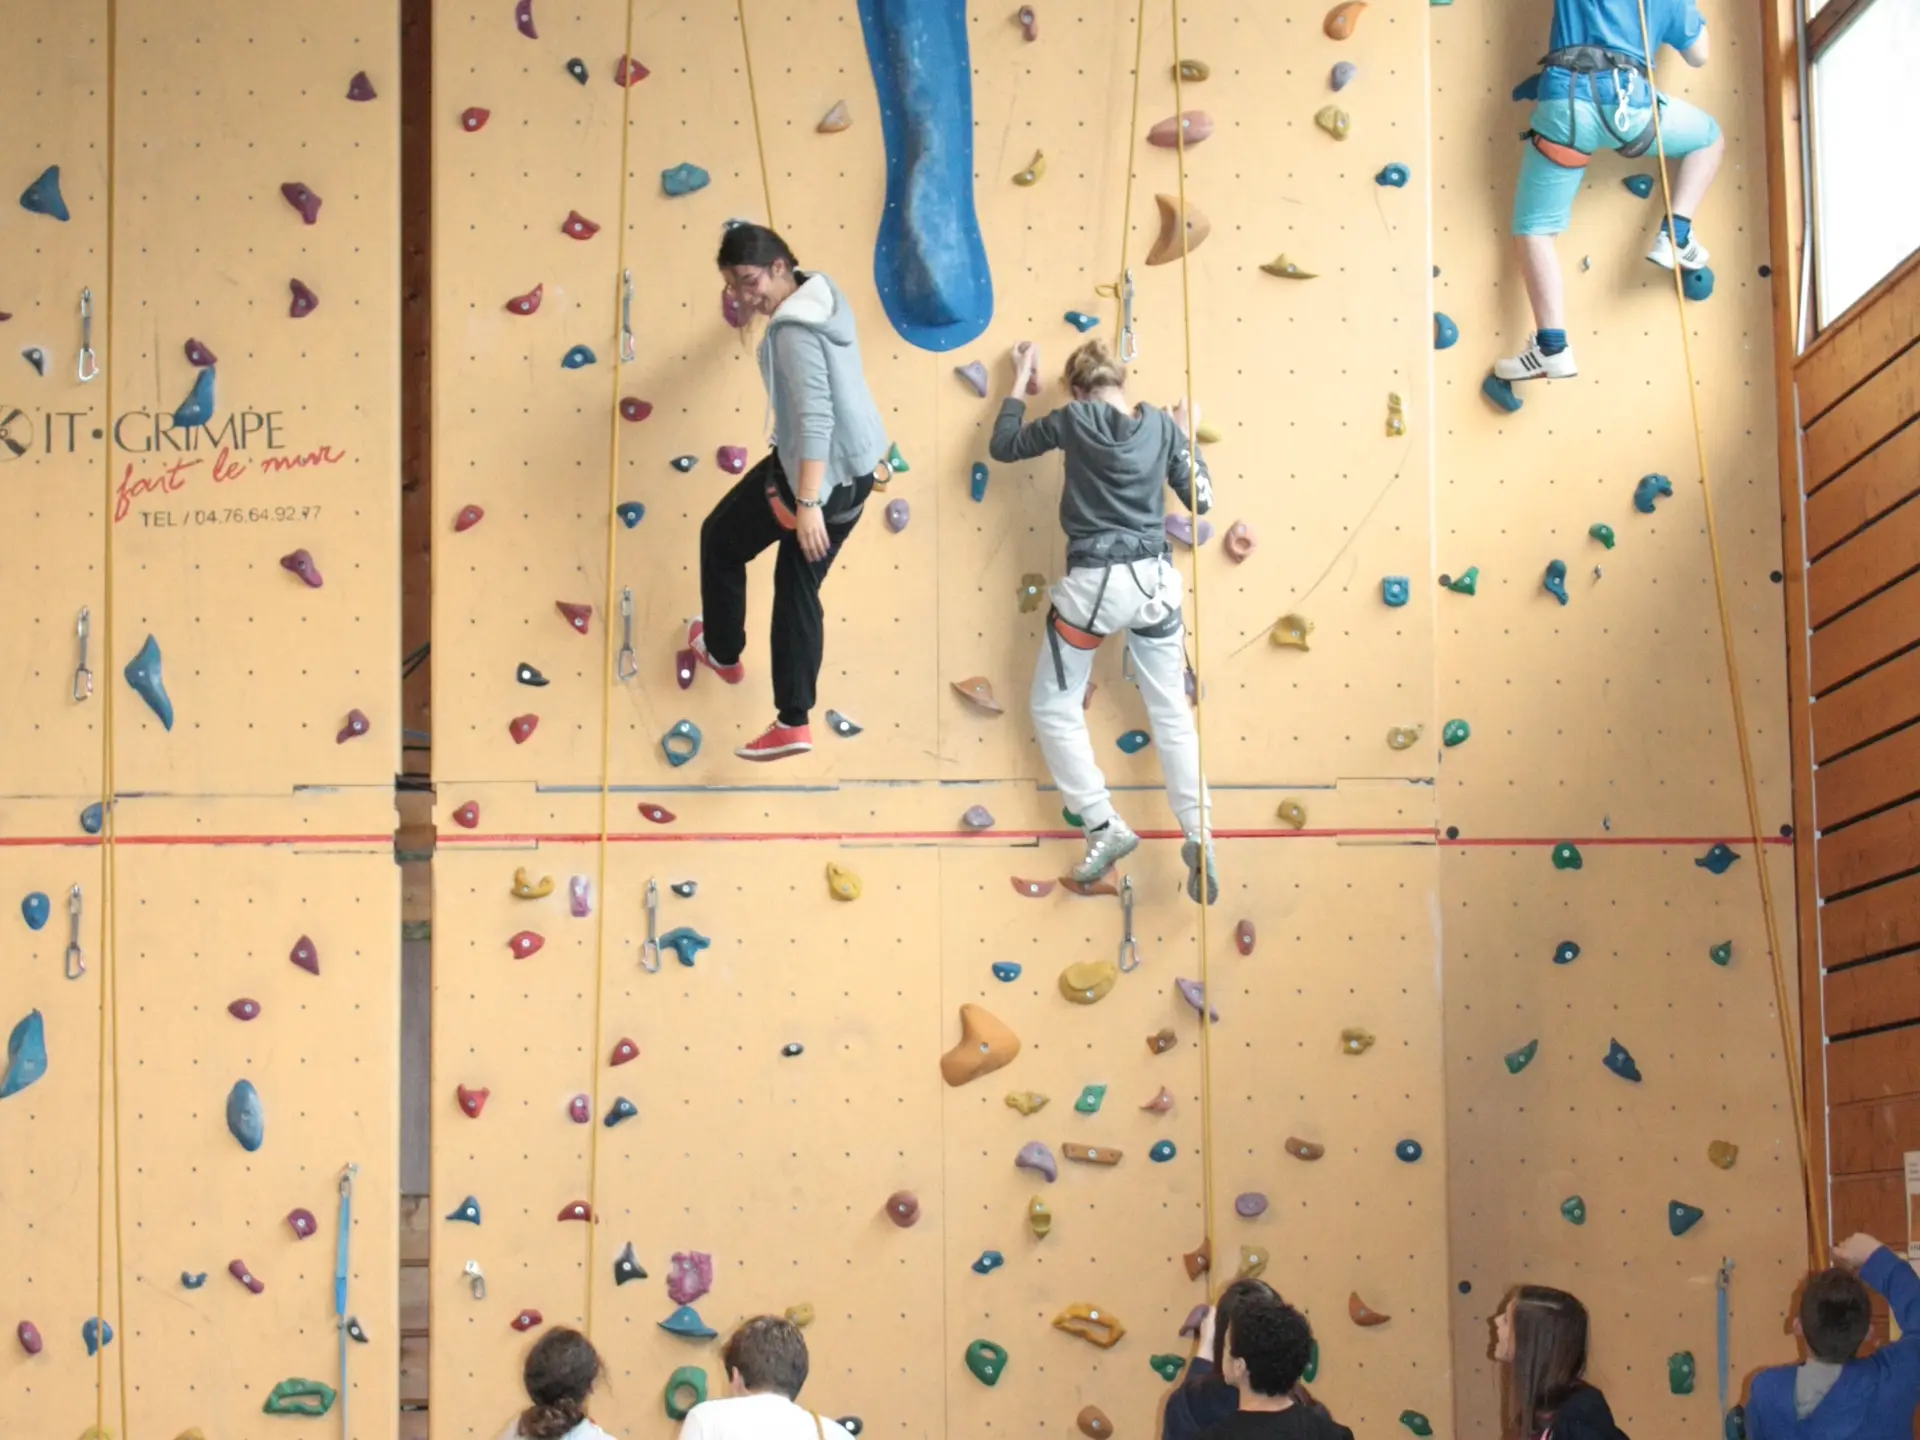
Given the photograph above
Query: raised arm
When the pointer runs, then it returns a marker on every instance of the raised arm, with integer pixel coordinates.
(1187, 467)
(1011, 440)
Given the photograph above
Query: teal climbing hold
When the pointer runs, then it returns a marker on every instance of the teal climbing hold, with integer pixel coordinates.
(684, 463)
(631, 512)
(1718, 859)
(1680, 1372)
(1312, 1372)
(1697, 284)
(1467, 584)
(1518, 1060)
(467, 1211)
(190, 1281)
(1602, 533)
(1455, 732)
(1091, 1099)
(989, 1261)
(684, 179)
(686, 1323)
(246, 1116)
(1501, 393)
(1162, 1151)
(1735, 1426)
(1619, 1060)
(681, 743)
(978, 485)
(1566, 856)
(1395, 590)
(96, 1334)
(578, 358)
(43, 196)
(35, 909)
(1641, 184)
(1408, 1151)
(1072, 819)
(143, 674)
(684, 942)
(93, 817)
(1566, 952)
(1446, 334)
(987, 1361)
(1721, 954)
(1168, 1367)
(197, 408)
(1006, 971)
(1555, 580)
(1682, 1217)
(623, 1109)
(1413, 1419)
(1650, 489)
(1082, 321)
(1573, 1210)
(26, 1054)
(896, 462)
(1393, 175)
(1134, 741)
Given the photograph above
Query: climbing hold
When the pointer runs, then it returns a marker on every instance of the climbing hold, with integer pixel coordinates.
(974, 375)
(681, 743)
(525, 888)
(1177, 238)
(1250, 1206)
(469, 516)
(143, 674)
(198, 354)
(1573, 1210)
(897, 514)
(1682, 1217)
(1029, 23)
(1199, 1260)
(1619, 1060)
(1413, 1419)
(793, 1050)
(689, 1276)
(1735, 1425)
(1304, 1149)
(686, 1323)
(1091, 1324)
(1404, 737)
(1501, 393)
(1089, 981)
(1243, 937)
(246, 1116)
(43, 196)
(977, 691)
(1721, 954)
(97, 1334)
(305, 955)
(1081, 321)
(656, 814)
(1168, 1367)
(1650, 489)
(1396, 176)
(578, 358)
(1455, 732)
(578, 227)
(528, 303)
(1134, 741)
(1363, 1314)
(1187, 530)
(1091, 1154)
(304, 301)
(986, 1360)
(27, 1059)
(800, 1316)
(191, 1281)
(1342, 18)
(1602, 533)
(1396, 415)
(1680, 1372)
(1253, 1262)
(1104, 886)
(1335, 121)
(986, 1044)
(1355, 1041)
(1566, 856)
(35, 909)
(732, 459)
(897, 463)
(685, 942)
(1717, 860)
(1039, 1217)
(1027, 1102)
(621, 1109)
(1161, 1103)
(472, 1101)
(197, 408)
(1031, 175)
(303, 1223)
(684, 179)
(1555, 581)
(1189, 127)
(977, 484)
(360, 87)
(1640, 184)
(1467, 584)
(526, 1320)
(1566, 953)
(1518, 1060)
(1037, 1156)
(474, 118)
(685, 889)
(1408, 1151)
(977, 817)
(300, 1397)
(687, 1380)
(1291, 631)
(631, 512)
(1162, 1040)
(577, 68)
(836, 119)
(1446, 334)
(1093, 1422)
(467, 1211)
(299, 562)
(1395, 590)
(35, 357)
(238, 1269)
(356, 725)
(629, 72)
(1195, 994)
(1342, 74)
(577, 1210)
(303, 200)
(843, 884)
(1033, 590)
(580, 1110)
(626, 1266)
(1697, 284)
(1092, 1097)
(1286, 269)
(1239, 541)
(633, 410)
(1723, 1153)
(29, 1336)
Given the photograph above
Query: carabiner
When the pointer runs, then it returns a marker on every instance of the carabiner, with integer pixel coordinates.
(627, 351)
(624, 665)
(83, 677)
(76, 962)
(1129, 947)
(650, 950)
(89, 367)
(1123, 292)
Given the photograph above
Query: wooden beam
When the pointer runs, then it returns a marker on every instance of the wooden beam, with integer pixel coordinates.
(1850, 351)
(1865, 418)
(1882, 774)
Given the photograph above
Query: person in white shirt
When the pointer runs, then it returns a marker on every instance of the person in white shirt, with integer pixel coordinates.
(560, 1373)
(766, 1363)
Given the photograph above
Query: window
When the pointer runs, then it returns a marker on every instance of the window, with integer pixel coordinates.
(1866, 132)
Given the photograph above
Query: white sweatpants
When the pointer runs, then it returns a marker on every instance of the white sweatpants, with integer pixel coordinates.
(1139, 596)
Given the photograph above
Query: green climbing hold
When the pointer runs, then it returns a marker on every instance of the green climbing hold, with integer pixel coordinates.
(1091, 1098)
(1518, 1060)
(1455, 732)
(1682, 1217)
(1566, 856)
(1602, 533)
(986, 1360)
(1573, 1210)
(1072, 819)
(1467, 584)
(897, 462)
(1162, 1151)
(1680, 1372)
(1312, 1372)
(1168, 1367)
(1413, 1419)
(1721, 954)
(687, 1377)
(300, 1397)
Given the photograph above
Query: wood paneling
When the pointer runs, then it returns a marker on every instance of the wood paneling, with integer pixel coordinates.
(1876, 1204)
(1866, 338)
(1863, 709)
(1877, 849)
(1872, 922)
(1862, 420)
(1883, 478)
(1883, 992)
(1875, 1135)
(1867, 635)
(1876, 557)
(413, 1370)
(1884, 772)
(1874, 1067)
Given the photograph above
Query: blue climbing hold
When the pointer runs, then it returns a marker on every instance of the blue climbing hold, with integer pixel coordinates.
(35, 909)
(1446, 334)
(197, 408)
(43, 197)
(1735, 1426)
(1162, 1152)
(1718, 859)
(1408, 1151)
(1640, 184)
(97, 1334)
(1555, 582)
(631, 513)
(1395, 590)
(191, 1281)
(686, 1322)
(467, 1211)
(684, 942)
(579, 357)
(684, 179)
(989, 1261)
(1682, 1217)
(1566, 953)
(1697, 284)
(681, 743)
(143, 674)
(1394, 175)
(1619, 1060)
(26, 1055)
(93, 817)
(1500, 392)
(1082, 321)
(623, 1109)
(1650, 488)
(1134, 741)
(1006, 971)
(979, 484)
(246, 1116)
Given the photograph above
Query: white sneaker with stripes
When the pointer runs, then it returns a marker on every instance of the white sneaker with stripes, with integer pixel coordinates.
(1693, 256)
(1530, 364)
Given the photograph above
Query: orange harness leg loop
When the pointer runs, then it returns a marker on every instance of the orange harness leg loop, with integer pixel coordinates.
(1564, 156)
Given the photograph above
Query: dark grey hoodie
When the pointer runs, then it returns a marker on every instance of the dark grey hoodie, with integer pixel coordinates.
(1113, 505)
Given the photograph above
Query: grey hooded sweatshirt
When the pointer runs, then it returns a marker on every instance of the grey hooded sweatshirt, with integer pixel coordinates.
(1113, 505)
(816, 391)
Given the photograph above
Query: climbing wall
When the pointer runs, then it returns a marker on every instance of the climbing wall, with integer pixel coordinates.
(1607, 724)
(213, 901)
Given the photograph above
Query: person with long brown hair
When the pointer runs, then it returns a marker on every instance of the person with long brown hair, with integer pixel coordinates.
(560, 1373)
(1540, 1343)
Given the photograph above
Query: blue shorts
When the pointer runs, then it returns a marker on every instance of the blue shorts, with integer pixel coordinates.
(1543, 200)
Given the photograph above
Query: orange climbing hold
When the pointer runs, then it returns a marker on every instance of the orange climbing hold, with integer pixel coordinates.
(835, 120)
(1168, 247)
(977, 691)
(986, 1044)
(1364, 1314)
(1342, 18)
(1090, 1323)
(1191, 125)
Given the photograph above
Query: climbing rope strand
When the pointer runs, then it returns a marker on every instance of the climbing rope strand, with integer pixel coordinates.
(1117, 290)
(1789, 1044)
(609, 613)
(753, 100)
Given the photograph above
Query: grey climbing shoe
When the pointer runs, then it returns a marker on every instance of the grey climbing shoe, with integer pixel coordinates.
(1191, 853)
(1106, 848)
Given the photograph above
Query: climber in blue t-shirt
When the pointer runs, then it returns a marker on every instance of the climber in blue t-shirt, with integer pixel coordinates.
(1594, 92)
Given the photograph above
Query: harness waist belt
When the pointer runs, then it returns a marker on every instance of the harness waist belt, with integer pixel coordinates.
(1590, 59)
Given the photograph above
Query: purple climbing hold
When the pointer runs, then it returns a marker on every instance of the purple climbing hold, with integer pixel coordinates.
(361, 88)
(238, 1269)
(1196, 1317)
(1250, 1206)
(579, 897)
(1195, 994)
(356, 726)
(689, 1276)
(730, 310)
(523, 19)
(732, 459)
(305, 302)
(303, 1223)
(198, 354)
(1035, 1156)
(580, 1110)
(29, 1337)
(305, 956)
(1342, 75)
(300, 563)
(898, 514)
(978, 817)
(1188, 530)
(974, 374)
(244, 1009)
(303, 200)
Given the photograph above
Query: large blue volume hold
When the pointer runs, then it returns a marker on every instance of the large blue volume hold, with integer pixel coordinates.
(929, 261)
(246, 1116)
(26, 1055)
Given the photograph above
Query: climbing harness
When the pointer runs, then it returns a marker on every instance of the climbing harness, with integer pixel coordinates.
(76, 965)
(82, 676)
(650, 948)
(341, 1269)
(1582, 63)
(1089, 636)
(1129, 947)
(625, 666)
(89, 367)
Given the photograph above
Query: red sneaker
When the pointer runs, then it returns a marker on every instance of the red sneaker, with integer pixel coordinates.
(777, 742)
(697, 642)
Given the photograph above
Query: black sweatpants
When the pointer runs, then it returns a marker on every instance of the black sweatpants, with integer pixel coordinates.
(738, 529)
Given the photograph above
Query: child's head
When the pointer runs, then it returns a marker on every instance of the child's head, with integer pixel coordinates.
(766, 1355)
(561, 1370)
(1834, 1315)
(1227, 1306)
(758, 266)
(1268, 1346)
(1092, 367)
(1540, 1335)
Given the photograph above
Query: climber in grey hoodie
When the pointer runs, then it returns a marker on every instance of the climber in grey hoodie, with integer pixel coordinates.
(829, 451)
(1120, 459)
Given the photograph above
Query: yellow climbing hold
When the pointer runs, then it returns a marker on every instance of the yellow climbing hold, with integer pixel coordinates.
(1033, 592)
(1039, 1217)
(1253, 1262)
(1356, 1041)
(1404, 737)
(1192, 72)
(1396, 415)
(1088, 981)
(1091, 1323)
(800, 1316)
(526, 889)
(842, 884)
(1027, 1102)
(1031, 175)
(1723, 1153)
(1292, 632)
(1293, 814)
(1207, 434)
(1287, 270)
(1335, 121)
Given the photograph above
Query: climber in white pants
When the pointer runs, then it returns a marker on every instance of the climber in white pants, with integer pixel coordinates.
(1119, 581)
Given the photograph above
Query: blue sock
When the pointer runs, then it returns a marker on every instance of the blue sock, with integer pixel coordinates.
(1551, 342)
(1681, 230)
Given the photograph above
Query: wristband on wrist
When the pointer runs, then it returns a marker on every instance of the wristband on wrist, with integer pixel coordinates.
(806, 504)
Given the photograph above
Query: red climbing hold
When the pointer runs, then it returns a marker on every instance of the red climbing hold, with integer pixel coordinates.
(29, 1335)
(658, 814)
(305, 956)
(578, 1210)
(472, 1102)
(200, 355)
(580, 1108)
(525, 943)
(579, 227)
(629, 71)
(301, 564)
(474, 118)
(303, 200)
(528, 303)
(238, 1269)
(305, 302)
(526, 1319)
(521, 726)
(361, 88)
(635, 410)
(1029, 23)
(577, 616)
(303, 1223)
(732, 459)
(244, 1009)
(523, 19)
(624, 1051)
(1243, 937)
(356, 726)
(683, 666)
(467, 816)
(469, 516)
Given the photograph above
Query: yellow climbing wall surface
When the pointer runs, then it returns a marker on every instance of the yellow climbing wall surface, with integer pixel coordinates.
(1600, 724)
(246, 826)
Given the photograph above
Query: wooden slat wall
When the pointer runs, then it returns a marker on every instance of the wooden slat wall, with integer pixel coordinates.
(1857, 665)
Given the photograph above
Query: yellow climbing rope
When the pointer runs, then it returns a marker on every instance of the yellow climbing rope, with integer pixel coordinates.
(1789, 1042)
(753, 99)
